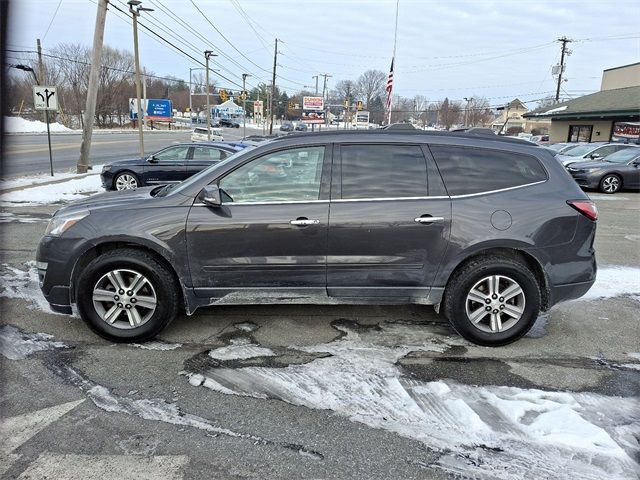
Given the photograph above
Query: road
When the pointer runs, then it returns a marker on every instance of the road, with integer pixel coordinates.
(331, 392)
(29, 154)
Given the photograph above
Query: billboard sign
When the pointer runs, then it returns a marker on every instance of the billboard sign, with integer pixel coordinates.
(312, 103)
(159, 110)
(311, 116)
(133, 107)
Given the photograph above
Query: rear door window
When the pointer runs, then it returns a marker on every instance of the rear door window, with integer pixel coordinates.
(208, 153)
(383, 171)
(474, 170)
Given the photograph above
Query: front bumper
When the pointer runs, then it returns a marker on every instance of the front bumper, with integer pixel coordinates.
(584, 179)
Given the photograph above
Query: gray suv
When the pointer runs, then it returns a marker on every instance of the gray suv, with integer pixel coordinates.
(489, 230)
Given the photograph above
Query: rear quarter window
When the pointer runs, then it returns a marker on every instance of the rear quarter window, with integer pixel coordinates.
(468, 170)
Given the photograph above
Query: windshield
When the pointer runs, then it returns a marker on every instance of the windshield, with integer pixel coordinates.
(179, 187)
(579, 150)
(557, 146)
(623, 156)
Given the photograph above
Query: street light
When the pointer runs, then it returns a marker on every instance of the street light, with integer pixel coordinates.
(135, 9)
(27, 68)
(207, 54)
(244, 103)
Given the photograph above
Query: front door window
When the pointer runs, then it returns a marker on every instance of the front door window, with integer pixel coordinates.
(580, 133)
(283, 176)
(177, 154)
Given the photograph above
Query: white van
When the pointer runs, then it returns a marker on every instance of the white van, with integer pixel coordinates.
(200, 133)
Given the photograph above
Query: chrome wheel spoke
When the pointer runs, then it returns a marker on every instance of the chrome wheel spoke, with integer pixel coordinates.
(116, 280)
(496, 322)
(146, 302)
(477, 296)
(112, 314)
(513, 311)
(134, 317)
(137, 283)
(512, 291)
(478, 315)
(101, 295)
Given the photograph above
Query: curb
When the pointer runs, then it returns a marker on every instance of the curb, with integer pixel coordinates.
(50, 182)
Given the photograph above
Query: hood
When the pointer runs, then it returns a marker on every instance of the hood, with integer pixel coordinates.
(592, 164)
(130, 161)
(110, 200)
(567, 159)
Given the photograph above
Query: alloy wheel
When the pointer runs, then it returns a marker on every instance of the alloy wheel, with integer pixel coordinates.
(495, 304)
(611, 184)
(126, 182)
(124, 299)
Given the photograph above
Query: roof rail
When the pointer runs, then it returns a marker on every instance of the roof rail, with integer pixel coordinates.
(414, 132)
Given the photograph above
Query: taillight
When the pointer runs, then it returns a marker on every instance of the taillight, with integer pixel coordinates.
(585, 207)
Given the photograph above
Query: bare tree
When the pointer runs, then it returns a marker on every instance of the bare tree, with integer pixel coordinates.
(344, 90)
(371, 84)
(449, 113)
(479, 112)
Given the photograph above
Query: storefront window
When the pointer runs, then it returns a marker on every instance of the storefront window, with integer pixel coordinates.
(580, 133)
(626, 132)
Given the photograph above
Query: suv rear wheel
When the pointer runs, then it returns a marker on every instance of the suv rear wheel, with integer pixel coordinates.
(127, 296)
(492, 301)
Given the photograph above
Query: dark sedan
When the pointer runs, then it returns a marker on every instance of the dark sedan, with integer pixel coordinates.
(169, 165)
(225, 122)
(616, 171)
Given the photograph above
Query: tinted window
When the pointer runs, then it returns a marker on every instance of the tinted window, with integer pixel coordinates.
(474, 170)
(287, 175)
(208, 153)
(383, 171)
(178, 153)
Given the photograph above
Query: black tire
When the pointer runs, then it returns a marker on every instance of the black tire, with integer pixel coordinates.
(160, 282)
(610, 183)
(456, 301)
(125, 174)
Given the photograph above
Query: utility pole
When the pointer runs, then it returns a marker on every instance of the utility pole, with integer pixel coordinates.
(273, 86)
(244, 103)
(207, 54)
(42, 80)
(190, 102)
(466, 110)
(313, 125)
(324, 92)
(92, 92)
(144, 97)
(564, 41)
(135, 13)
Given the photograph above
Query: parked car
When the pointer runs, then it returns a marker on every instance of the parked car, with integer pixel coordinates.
(489, 230)
(226, 122)
(590, 151)
(540, 139)
(286, 127)
(201, 134)
(169, 165)
(611, 174)
(301, 127)
(559, 148)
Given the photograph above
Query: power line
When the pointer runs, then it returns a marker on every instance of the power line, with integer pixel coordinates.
(52, 19)
(249, 22)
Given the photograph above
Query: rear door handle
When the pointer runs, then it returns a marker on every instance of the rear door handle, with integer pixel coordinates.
(303, 222)
(428, 219)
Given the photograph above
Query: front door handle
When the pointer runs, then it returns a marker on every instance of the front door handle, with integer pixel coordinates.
(303, 222)
(428, 219)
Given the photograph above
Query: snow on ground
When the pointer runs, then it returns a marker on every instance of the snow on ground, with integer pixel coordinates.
(67, 191)
(157, 345)
(22, 125)
(39, 179)
(17, 345)
(614, 281)
(481, 432)
(6, 217)
(240, 349)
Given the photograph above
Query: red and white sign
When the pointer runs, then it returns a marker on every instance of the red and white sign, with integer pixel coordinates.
(312, 103)
(257, 108)
(311, 116)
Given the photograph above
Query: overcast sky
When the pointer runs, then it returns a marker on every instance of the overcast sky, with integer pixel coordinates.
(496, 49)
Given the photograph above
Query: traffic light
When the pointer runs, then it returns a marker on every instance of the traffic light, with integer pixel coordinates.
(224, 96)
(359, 105)
(291, 105)
(346, 104)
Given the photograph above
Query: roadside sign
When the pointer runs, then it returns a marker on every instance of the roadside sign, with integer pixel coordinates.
(159, 110)
(312, 116)
(312, 103)
(258, 107)
(45, 98)
(362, 117)
(133, 107)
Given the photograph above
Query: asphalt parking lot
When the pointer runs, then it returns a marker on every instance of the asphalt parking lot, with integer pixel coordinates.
(298, 391)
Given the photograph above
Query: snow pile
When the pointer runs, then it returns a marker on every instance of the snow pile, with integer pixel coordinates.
(157, 345)
(481, 432)
(72, 189)
(22, 125)
(32, 180)
(240, 349)
(615, 281)
(17, 345)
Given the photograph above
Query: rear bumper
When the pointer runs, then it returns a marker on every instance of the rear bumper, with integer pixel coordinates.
(569, 291)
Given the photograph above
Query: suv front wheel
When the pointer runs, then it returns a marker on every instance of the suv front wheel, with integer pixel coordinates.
(127, 295)
(492, 301)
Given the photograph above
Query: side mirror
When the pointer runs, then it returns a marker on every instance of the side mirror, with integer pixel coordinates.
(210, 195)
(594, 156)
(152, 159)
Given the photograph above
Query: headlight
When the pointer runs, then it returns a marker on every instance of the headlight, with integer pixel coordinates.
(60, 224)
(105, 168)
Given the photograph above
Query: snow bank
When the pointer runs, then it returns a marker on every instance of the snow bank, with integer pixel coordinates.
(614, 281)
(22, 125)
(18, 345)
(73, 188)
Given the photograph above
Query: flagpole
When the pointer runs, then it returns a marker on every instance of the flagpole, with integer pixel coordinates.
(393, 59)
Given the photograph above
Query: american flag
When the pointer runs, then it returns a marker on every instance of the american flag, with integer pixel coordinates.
(390, 86)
